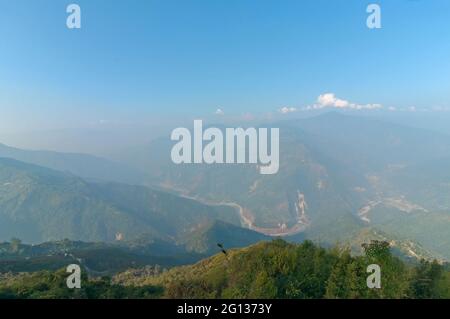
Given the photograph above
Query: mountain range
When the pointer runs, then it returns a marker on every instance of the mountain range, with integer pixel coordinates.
(342, 179)
(339, 175)
(39, 204)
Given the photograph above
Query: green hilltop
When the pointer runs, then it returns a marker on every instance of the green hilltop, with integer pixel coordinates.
(273, 269)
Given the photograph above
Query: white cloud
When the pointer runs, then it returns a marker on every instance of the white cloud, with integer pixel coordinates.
(286, 110)
(220, 112)
(329, 100)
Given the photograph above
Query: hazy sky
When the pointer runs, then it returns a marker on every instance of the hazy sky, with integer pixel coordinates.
(139, 58)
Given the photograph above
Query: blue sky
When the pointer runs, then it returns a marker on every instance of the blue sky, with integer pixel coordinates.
(189, 57)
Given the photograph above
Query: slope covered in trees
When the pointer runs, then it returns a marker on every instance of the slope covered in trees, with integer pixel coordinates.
(281, 270)
(38, 204)
(274, 269)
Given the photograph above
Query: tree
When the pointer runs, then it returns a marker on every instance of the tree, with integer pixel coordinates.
(426, 280)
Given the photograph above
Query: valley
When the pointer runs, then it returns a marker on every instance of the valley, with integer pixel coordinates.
(341, 176)
(329, 188)
(247, 219)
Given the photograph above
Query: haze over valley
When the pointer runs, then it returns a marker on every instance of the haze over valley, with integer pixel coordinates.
(343, 178)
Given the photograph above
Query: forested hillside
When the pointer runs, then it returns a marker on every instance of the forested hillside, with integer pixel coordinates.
(274, 269)
(281, 270)
(39, 204)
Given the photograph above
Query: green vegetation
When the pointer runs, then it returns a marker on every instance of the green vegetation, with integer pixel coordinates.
(386, 183)
(97, 258)
(52, 285)
(281, 270)
(274, 269)
(38, 204)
